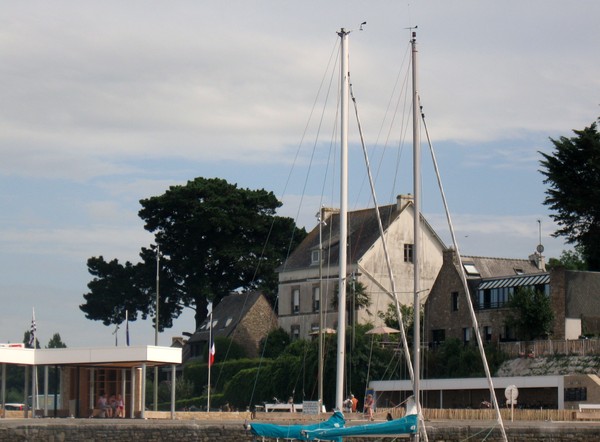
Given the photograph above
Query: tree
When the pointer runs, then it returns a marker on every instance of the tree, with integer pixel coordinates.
(356, 296)
(390, 318)
(27, 338)
(56, 342)
(572, 172)
(213, 237)
(569, 259)
(531, 313)
(274, 343)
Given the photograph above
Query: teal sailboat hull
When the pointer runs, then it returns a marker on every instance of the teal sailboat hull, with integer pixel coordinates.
(296, 432)
(404, 426)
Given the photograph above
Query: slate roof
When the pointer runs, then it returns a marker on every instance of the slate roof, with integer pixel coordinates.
(499, 267)
(226, 316)
(363, 231)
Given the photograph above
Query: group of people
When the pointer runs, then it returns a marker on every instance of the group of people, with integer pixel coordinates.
(111, 407)
(351, 405)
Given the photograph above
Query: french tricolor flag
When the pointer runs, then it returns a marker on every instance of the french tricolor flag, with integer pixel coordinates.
(211, 354)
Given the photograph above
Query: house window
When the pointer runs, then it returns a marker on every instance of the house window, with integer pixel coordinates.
(408, 253)
(454, 301)
(487, 333)
(438, 336)
(295, 332)
(316, 298)
(467, 335)
(296, 301)
(576, 394)
(314, 256)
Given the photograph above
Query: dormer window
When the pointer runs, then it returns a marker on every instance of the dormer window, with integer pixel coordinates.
(518, 271)
(314, 256)
(471, 269)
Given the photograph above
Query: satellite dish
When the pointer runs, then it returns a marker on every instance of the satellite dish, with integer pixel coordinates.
(540, 248)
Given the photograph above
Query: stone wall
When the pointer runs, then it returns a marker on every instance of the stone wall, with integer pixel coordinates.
(133, 431)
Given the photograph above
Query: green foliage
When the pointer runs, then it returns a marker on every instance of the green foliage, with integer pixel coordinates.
(56, 342)
(572, 173)
(295, 371)
(454, 359)
(221, 372)
(357, 297)
(184, 389)
(530, 314)
(275, 343)
(214, 238)
(390, 318)
(569, 259)
(226, 350)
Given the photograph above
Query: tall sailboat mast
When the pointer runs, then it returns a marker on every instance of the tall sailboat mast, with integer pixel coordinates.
(417, 227)
(341, 332)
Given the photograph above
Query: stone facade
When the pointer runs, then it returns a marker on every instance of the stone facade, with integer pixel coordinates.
(299, 279)
(244, 317)
(447, 313)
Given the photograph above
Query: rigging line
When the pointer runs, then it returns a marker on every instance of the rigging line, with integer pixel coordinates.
(393, 118)
(463, 278)
(290, 244)
(388, 262)
(304, 133)
(382, 235)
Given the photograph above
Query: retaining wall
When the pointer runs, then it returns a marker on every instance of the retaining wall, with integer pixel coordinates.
(60, 430)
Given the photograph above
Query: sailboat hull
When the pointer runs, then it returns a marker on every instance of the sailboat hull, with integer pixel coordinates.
(296, 431)
(406, 425)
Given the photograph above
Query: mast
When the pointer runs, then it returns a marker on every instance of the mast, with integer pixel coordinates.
(321, 319)
(417, 228)
(341, 332)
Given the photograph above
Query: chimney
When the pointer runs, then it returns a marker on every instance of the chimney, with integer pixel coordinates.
(538, 259)
(403, 200)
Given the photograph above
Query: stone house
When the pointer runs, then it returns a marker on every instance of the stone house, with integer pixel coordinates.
(246, 318)
(305, 274)
(490, 282)
(574, 296)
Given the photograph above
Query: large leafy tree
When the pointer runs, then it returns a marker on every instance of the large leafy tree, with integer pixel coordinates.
(531, 313)
(572, 172)
(569, 259)
(213, 238)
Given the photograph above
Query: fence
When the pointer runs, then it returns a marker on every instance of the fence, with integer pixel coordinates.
(484, 414)
(575, 347)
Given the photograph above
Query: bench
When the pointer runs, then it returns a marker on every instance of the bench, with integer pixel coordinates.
(584, 407)
(283, 407)
(586, 415)
(587, 412)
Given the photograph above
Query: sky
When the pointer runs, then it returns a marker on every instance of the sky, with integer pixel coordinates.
(105, 103)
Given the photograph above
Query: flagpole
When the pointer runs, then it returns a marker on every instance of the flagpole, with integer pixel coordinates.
(156, 325)
(34, 368)
(127, 327)
(210, 346)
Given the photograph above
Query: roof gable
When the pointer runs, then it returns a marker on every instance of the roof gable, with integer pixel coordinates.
(227, 315)
(363, 232)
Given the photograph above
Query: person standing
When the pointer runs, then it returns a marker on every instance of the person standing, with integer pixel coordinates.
(368, 409)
